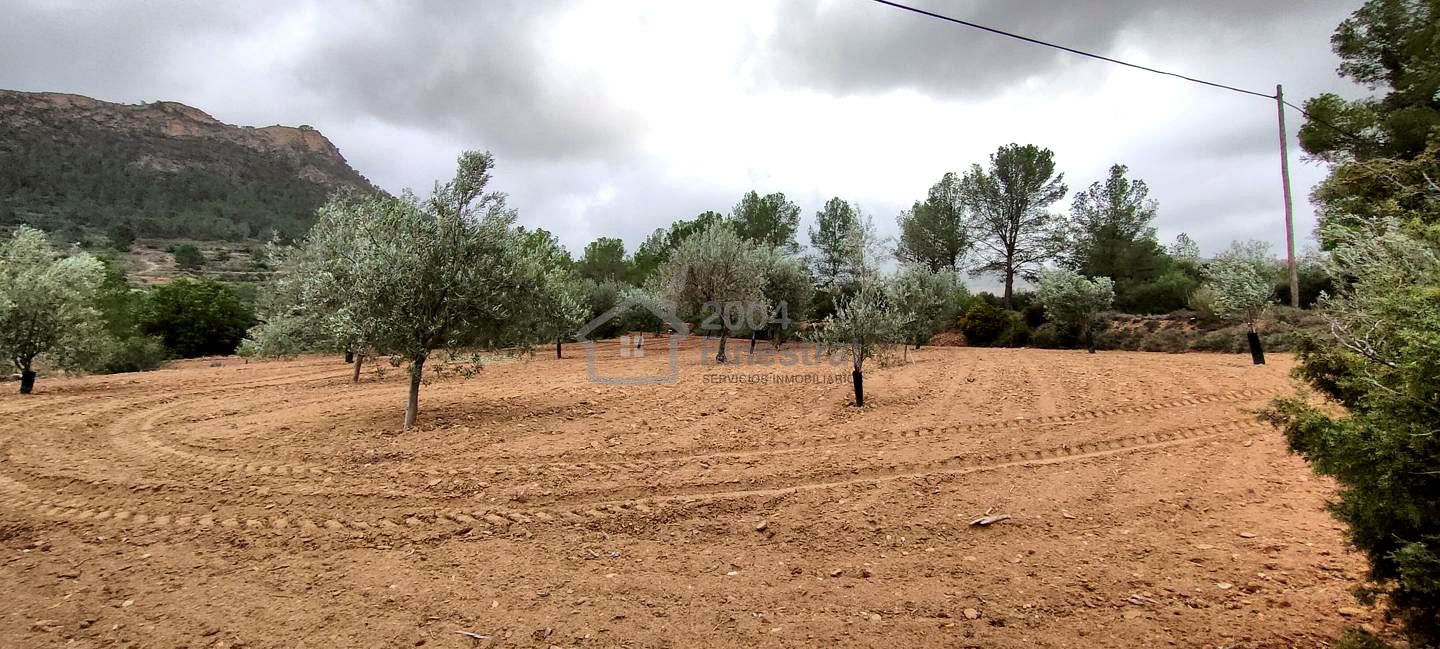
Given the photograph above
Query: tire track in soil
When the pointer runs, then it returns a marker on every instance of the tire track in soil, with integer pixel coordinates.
(40, 466)
(141, 517)
(668, 459)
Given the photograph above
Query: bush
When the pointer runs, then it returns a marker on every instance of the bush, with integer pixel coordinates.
(133, 354)
(1166, 293)
(1046, 336)
(1171, 341)
(196, 317)
(1016, 332)
(1035, 315)
(188, 257)
(1202, 302)
(1217, 341)
(983, 323)
(122, 236)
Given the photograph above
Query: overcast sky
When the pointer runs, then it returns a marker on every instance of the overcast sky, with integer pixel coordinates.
(614, 118)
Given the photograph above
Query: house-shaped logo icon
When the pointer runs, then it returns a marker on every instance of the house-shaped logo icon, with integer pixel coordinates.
(640, 373)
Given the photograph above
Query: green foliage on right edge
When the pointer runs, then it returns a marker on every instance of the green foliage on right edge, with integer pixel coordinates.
(1379, 213)
(1383, 366)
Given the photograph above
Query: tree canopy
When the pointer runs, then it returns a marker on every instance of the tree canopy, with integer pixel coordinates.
(769, 220)
(1388, 45)
(1014, 229)
(833, 238)
(936, 232)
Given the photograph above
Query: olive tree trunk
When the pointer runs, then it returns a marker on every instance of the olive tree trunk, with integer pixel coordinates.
(1257, 353)
(27, 381)
(558, 350)
(412, 405)
(856, 377)
(720, 355)
(355, 375)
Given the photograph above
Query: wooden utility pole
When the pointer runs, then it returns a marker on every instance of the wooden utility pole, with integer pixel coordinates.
(1289, 214)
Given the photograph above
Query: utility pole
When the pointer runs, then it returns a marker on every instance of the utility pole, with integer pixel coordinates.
(1289, 214)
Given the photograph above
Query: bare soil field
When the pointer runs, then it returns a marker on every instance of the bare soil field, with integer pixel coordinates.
(275, 504)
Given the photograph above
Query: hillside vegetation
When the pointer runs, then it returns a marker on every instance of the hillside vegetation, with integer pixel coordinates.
(85, 168)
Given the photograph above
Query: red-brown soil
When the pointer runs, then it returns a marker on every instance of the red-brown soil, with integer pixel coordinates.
(276, 504)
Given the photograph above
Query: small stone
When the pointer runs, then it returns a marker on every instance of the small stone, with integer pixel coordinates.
(127, 603)
(972, 614)
(874, 617)
(836, 573)
(44, 625)
(866, 573)
(1131, 614)
(1224, 585)
(1351, 611)
(762, 526)
(1247, 535)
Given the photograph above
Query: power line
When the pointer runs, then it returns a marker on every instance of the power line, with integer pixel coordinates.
(1036, 41)
(1071, 50)
(1326, 124)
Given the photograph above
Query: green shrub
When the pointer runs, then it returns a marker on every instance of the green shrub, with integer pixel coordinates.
(1167, 340)
(1035, 315)
(1202, 302)
(188, 257)
(1217, 341)
(983, 323)
(1166, 293)
(1015, 334)
(133, 354)
(1046, 336)
(196, 317)
(1359, 639)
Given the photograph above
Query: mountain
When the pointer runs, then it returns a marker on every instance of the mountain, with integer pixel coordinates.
(78, 165)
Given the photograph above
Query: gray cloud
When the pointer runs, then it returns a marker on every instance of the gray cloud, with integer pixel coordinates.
(472, 70)
(106, 49)
(865, 47)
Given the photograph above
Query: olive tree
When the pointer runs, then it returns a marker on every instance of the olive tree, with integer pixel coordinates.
(306, 306)
(1075, 300)
(562, 306)
(715, 270)
(46, 304)
(408, 277)
(1242, 288)
(864, 326)
(787, 290)
(867, 323)
(926, 299)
